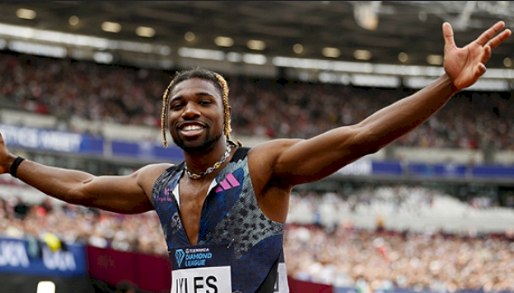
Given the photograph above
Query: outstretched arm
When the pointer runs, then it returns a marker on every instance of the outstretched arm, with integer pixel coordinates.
(299, 161)
(122, 194)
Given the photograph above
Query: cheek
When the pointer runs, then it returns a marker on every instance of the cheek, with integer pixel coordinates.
(171, 118)
(170, 123)
(222, 118)
(222, 121)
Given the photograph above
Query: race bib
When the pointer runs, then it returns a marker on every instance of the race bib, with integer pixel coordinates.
(281, 285)
(201, 269)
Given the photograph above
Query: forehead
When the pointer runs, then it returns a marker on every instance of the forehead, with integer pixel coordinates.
(194, 86)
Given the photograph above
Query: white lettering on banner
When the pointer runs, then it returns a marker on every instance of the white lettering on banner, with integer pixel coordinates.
(61, 260)
(14, 254)
(67, 142)
(202, 280)
(34, 138)
(22, 136)
(360, 167)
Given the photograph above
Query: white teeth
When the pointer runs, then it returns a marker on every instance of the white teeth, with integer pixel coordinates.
(191, 127)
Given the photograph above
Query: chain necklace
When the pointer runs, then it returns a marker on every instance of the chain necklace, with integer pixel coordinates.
(210, 169)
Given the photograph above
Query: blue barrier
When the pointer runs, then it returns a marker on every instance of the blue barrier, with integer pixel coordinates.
(59, 141)
(74, 143)
(18, 256)
(51, 140)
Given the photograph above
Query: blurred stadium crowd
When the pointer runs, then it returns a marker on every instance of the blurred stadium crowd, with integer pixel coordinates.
(325, 246)
(265, 108)
(337, 252)
(344, 251)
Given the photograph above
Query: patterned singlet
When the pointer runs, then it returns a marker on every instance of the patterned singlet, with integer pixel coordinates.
(237, 243)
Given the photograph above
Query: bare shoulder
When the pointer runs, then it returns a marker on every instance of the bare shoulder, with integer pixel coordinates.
(154, 167)
(147, 175)
(269, 151)
(263, 157)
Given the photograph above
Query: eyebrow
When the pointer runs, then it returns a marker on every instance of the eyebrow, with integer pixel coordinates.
(199, 94)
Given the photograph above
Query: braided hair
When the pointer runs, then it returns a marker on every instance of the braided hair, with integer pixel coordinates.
(202, 73)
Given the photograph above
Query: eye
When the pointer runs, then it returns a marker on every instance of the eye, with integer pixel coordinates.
(176, 106)
(205, 102)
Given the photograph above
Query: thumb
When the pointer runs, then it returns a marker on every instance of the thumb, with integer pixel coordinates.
(449, 42)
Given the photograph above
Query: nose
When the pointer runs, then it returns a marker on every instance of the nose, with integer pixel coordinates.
(190, 111)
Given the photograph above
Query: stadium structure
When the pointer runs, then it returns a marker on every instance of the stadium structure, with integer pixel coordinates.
(82, 85)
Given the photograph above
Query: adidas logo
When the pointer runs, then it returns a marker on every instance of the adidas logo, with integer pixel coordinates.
(229, 182)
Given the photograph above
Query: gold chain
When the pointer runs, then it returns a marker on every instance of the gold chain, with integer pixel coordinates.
(210, 169)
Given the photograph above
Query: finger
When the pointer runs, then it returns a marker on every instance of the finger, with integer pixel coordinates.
(487, 54)
(496, 41)
(490, 33)
(449, 41)
(481, 69)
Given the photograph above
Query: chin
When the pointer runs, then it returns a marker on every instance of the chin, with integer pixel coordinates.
(197, 146)
(189, 147)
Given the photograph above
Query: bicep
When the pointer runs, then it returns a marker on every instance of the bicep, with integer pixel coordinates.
(121, 194)
(124, 194)
(303, 161)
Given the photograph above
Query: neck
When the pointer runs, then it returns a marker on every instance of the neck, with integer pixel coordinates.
(200, 163)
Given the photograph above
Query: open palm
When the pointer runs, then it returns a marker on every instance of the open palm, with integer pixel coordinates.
(465, 65)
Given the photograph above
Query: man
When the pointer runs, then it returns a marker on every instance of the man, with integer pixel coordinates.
(223, 209)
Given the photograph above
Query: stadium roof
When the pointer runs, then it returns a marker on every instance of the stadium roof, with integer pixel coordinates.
(384, 28)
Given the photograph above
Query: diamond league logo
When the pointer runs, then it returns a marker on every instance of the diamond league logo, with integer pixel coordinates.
(179, 256)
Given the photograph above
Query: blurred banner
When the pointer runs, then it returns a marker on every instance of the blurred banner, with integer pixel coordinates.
(51, 140)
(19, 256)
(365, 167)
(67, 142)
(74, 143)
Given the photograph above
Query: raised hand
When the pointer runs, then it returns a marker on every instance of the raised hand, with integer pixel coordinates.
(465, 65)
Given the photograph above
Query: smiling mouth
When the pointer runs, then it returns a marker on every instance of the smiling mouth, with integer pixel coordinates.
(189, 128)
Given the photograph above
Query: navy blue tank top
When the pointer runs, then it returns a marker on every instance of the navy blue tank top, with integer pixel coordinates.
(232, 217)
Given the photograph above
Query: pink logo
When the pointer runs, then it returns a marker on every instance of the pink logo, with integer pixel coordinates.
(165, 196)
(229, 182)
